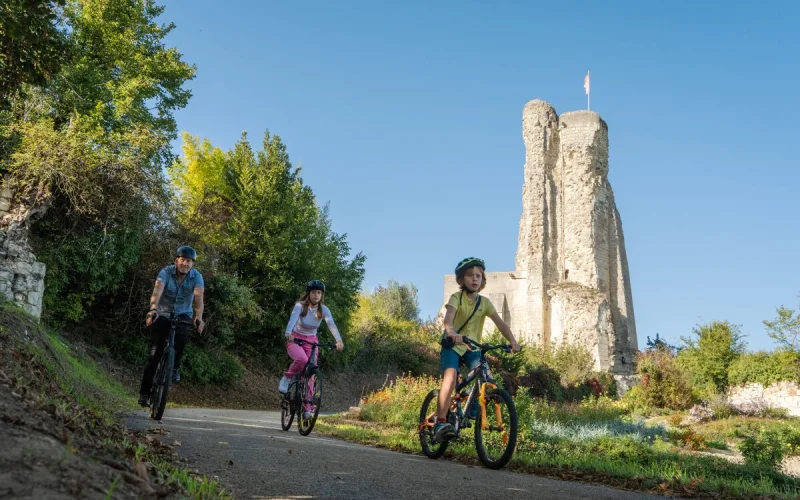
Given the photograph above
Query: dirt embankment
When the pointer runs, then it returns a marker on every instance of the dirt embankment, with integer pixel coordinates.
(58, 432)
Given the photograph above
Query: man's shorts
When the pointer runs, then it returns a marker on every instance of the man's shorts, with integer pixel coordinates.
(451, 359)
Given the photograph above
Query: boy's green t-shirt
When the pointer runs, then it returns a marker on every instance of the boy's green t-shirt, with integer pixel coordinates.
(464, 307)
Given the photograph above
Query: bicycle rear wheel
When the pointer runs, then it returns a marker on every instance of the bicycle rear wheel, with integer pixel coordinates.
(314, 380)
(287, 407)
(496, 436)
(427, 419)
(160, 390)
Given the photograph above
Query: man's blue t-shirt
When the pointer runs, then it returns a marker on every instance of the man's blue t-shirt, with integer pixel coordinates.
(177, 299)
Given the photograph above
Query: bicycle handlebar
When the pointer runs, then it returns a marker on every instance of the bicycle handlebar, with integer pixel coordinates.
(486, 347)
(329, 345)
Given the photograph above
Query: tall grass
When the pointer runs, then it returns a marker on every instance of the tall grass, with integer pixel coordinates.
(594, 439)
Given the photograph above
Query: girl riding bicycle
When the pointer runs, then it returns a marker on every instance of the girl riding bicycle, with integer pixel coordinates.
(307, 315)
(468, 309)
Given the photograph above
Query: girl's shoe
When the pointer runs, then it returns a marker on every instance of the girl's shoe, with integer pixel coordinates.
(283, 386)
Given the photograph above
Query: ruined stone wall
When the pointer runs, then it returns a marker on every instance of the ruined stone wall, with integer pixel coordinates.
(571, 282)
(752, 397)
(21, 275)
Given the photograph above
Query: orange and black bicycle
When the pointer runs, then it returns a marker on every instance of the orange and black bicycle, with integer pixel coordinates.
(493, 412)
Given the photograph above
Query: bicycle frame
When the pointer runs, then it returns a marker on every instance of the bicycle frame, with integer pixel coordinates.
(485, 380)
(162, 377)
(299, 392)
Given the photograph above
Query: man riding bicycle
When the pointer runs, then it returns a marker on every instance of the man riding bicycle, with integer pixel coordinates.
(178, 292)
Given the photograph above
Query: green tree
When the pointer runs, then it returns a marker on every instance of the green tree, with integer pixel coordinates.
(31, 44)
(92, 142)
(659, 344)
(270, 234)
(398, 301)
(709, 356)
(387, 332)
(785, 329)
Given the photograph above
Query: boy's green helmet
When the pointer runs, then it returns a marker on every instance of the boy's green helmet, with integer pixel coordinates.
(470, 262)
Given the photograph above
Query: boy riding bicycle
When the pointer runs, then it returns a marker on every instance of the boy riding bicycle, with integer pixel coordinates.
(468, 309)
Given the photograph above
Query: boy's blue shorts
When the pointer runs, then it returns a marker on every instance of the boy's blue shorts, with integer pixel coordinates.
(451, 359)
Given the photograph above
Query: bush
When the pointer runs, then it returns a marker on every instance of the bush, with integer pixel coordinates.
(397, 345)
(573, 363)
(663, 383)
(718, 408)
(766, 448)
(764, 368)
(562, 373)
(211, 367)
(132, 350)
(399, 402)
(708, 357)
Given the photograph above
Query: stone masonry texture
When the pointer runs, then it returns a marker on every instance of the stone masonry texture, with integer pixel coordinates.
(21, 275)
(571, 283)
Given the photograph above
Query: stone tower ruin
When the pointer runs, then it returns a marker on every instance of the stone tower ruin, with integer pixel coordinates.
(571, 283)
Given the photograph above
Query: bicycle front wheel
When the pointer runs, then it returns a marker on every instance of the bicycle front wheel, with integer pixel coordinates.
(496, 429)
(427, 420)
(287, 408)
(163, 380)
(312, 394)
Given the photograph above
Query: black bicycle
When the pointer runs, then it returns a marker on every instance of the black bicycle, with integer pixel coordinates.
(495, 419)
(299, 393)
(163, 377)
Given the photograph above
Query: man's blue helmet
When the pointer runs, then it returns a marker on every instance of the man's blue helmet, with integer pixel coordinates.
(186, 252)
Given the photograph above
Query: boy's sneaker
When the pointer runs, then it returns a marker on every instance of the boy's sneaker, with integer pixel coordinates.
(283, 386)
(443, 431)
(473, 411)
(144, 400)
(176, 375)
(308, 414)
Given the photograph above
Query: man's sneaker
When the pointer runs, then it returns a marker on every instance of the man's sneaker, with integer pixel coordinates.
(144, 400)
(308, 414)
(443, 431)
(283, 386)
(176, 375)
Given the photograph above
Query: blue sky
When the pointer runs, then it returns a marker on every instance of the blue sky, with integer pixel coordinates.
(406, 119)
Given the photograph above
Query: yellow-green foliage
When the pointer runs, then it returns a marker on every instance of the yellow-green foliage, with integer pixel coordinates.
(387, 335)
(572, 362)
(765, 368)
(708, 356)
(663, 383)
(399, 402)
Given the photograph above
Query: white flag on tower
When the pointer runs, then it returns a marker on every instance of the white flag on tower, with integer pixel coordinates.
(586, 86)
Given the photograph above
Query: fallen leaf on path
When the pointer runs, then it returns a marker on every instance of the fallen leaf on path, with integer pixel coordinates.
(158, 430)
(176, 443)
(141, 470)
(223, 442)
